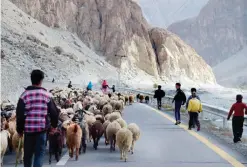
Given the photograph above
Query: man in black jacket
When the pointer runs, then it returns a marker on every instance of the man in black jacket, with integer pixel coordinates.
(35, 112)
(159, 94)
(180, 99)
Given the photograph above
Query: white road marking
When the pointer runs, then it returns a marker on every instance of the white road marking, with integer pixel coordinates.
(63, 160)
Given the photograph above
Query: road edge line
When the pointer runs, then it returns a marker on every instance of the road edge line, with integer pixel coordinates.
(63, 159)
(234, 162)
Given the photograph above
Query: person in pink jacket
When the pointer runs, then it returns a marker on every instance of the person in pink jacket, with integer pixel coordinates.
(104, 86)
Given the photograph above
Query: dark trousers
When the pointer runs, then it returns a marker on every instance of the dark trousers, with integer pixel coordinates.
(194, 119)
(34, 144)
(178, 105)
(159, 103)
(237, 127)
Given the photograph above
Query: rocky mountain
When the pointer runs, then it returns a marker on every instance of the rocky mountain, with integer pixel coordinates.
(219, 35)
(218, 32)
(176, 59)
(163, 13)
(108, 28)
(27, 44)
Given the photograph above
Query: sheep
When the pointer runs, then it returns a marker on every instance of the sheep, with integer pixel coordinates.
(77, 106)
(124, 139)
(99, 117)
(146, 99)
(92, 108)
(90, 120)
(4, 123)
(131, 99)
(136, 134)
(119, 105)
(107, 109)
(105, 124)
(97, 131)
(107, 116)
(11, 128)
(111, 132)
(55, 143)
(126, 99)
(85, 136)
(64, 116)
(15, 142)
(141, 97)
(4, 135)
(113, 116)
(122, 123)
(73, 135)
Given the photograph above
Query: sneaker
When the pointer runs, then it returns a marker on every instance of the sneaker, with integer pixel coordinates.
(179, 122)
(198, 129)
(176, 123)
(189, 128)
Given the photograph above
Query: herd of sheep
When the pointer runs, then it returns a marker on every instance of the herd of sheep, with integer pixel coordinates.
(84, 117)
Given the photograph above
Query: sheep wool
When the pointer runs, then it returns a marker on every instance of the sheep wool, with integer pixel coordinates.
(107, 109)
(124, 139)
(122, 123)
(73, 139)
(4, 135)
(136, 134)
(15, 143)
(113, 116)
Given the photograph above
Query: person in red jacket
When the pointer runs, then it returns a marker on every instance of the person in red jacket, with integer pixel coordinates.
(239, 108)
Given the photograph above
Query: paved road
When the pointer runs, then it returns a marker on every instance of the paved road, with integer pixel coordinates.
(161, 144)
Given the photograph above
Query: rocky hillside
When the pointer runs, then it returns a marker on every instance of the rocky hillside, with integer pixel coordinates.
(218, 32)
(117, 27)
(27, 44)
(176, 59)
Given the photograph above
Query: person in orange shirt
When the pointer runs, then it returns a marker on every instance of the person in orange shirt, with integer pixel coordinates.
(239, 108)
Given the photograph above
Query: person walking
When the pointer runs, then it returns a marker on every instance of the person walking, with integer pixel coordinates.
(89, 86)
(104, 86)
(159, 94)
(69, 85)
(113, 88)
(239, 108)
(194, 107)
(179, 99)
(193, 91)
(34, 110)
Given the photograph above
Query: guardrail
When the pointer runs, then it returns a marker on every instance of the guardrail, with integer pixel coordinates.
(207, 109)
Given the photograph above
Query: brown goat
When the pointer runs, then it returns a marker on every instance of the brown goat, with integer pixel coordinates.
(97, 131)
(74, 135)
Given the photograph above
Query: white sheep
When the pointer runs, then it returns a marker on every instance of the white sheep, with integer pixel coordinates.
(136, 134)
(4, 135)
(124, 139)
(111, 132)
(107, 109)
(105, 124)
(122, 123)
(77, 106)
(113, 116)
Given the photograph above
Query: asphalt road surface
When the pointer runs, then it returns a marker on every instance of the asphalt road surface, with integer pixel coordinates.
(161, 144)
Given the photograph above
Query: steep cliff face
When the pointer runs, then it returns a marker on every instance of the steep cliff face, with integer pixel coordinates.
(178, 60)
(110, 27)
(219, 31)
(107, 27)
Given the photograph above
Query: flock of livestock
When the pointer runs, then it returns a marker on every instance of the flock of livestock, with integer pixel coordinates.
(85, 116)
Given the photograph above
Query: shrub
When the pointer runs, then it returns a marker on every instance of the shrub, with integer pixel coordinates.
(58, 50)
(155, 86)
